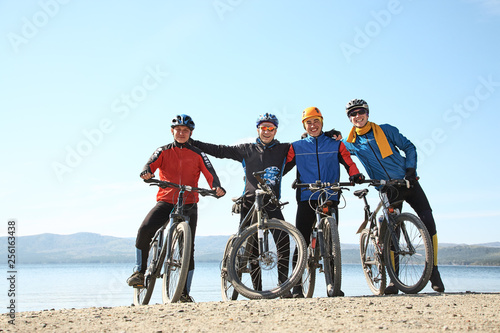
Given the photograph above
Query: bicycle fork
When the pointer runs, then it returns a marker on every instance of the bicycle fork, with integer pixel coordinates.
(266, 258)
(152, 271)
(263, 246)
(318, 237)
(168, 256)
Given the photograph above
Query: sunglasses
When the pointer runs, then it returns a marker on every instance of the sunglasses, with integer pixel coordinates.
(267, 128)
(355, 113)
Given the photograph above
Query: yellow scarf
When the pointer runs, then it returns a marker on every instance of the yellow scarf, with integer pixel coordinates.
(378, 133)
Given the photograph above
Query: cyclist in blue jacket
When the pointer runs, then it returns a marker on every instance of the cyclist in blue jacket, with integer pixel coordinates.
(317, 157)
(377, 147)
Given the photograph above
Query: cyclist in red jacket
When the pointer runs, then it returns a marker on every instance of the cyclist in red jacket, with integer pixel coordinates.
(180, 163)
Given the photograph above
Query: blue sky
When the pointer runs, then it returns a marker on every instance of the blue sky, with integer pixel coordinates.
(88, 90)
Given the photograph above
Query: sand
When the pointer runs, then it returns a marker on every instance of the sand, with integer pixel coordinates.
(432, 312)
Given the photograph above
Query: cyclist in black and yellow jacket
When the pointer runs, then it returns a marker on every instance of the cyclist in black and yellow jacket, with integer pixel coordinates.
(377, 147)
(265, 154)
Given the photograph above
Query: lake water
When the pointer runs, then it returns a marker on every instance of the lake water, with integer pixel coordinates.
(66, 286)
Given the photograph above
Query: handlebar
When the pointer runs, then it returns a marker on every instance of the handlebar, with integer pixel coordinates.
(258, 176)
(165, 184)
(265, 187)
(391, 182)
(318, 185)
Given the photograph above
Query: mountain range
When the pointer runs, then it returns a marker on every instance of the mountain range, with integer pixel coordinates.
(95, 248)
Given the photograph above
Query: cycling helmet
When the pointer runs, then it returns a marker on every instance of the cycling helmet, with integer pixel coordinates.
(311, 112)
(356, 104)
(183, 120)
(267, 117)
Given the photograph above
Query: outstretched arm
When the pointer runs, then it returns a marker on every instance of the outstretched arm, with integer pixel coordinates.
(219, 151)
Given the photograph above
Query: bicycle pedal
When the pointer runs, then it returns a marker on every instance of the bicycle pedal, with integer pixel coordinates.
(138, 286)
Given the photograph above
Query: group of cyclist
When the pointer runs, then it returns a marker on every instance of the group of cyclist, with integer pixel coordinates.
(317, 156)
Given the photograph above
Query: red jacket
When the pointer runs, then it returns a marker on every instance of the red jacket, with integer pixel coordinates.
(181, 164)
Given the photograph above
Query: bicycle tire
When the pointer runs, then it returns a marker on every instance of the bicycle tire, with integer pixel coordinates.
(142, 295)
(309, 275)
(256, 277)
(177, 266)
(333, 262)
(229, 293)
(372, 263)
(409, 272)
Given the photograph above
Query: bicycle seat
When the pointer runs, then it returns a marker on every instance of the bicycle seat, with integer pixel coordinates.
(361, 193)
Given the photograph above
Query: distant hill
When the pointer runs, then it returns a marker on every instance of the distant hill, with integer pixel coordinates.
(95, 248)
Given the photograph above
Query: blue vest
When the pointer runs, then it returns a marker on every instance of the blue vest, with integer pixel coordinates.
(316, 158)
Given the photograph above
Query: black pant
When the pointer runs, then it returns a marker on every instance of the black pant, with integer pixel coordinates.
(306, 217)
(416, 198)
(157, 217)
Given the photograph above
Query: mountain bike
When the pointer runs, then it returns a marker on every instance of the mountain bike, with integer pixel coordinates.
(324, 247)
(258, 261)
(172, 241)
(398, 242)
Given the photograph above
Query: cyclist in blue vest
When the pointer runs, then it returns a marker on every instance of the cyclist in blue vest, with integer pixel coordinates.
(317, 157)
(377, 147)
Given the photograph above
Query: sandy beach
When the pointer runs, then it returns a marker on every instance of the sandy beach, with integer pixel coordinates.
(417, 313)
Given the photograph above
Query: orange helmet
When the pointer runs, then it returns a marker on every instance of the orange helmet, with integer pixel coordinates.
(311, 112)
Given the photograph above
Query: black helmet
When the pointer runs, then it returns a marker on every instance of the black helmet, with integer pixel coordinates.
(183, 120)
(356, 104)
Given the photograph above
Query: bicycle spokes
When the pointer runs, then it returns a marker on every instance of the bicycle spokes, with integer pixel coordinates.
(266, 274)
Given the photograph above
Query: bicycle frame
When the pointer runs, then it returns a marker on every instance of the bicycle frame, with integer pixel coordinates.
(329, 244)
(175, 217)
(389, 213)
(164, 246)
(395, 247)
(264, 248)
(320, 209)
(317, 232)
(257, 214)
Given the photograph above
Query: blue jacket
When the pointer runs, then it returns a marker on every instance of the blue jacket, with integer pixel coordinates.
(391, 167)
(319, 158)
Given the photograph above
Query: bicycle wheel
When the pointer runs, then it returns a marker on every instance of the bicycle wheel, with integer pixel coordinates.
(372, 263)
(272, 273)
(332, 261)
(309, 275)
(177, 265)
(229, 293)
(410, 268)
(142, 294)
